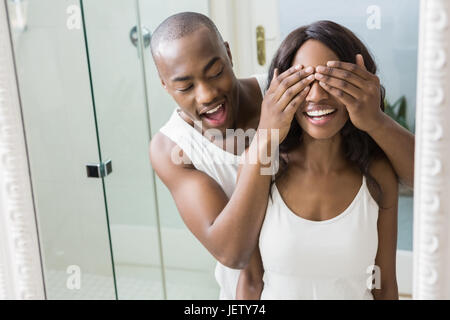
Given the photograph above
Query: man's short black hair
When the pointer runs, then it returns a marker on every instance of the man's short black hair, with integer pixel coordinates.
(180, 25)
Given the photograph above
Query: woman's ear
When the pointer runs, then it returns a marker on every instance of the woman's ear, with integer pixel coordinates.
(227, 46)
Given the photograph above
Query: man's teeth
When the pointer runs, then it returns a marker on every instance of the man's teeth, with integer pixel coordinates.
(215, 109)
(318, 113)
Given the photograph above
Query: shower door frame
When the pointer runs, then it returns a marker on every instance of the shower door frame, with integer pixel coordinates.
(21, 273)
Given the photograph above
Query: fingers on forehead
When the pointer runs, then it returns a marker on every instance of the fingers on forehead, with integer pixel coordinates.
(290, 71)
(350, 67)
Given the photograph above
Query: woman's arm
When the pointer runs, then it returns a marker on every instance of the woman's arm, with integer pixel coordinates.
(385, 281)
(250, 284)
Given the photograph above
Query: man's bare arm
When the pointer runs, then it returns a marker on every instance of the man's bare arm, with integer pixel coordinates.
(398, 145)
(385, 259)
(228, 228)
(250, 283)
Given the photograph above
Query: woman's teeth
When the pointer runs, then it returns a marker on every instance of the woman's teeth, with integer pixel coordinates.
(319, 113)
(214, 110)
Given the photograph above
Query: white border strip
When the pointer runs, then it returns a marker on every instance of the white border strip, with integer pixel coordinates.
(20, 265)
(431, 267)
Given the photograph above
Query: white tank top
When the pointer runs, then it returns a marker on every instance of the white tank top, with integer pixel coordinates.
(330, 259)
(219, 164)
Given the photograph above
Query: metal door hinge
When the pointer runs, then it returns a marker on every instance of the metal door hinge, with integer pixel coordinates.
(99, 170)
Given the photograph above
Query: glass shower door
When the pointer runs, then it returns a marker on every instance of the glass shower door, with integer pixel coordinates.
(56, 102)
(114, 45)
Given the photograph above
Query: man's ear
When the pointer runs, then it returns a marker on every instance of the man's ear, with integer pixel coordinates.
(159, 74)
(163, 83)
(227, 46)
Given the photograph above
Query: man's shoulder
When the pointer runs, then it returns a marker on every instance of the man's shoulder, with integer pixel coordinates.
(161, 144)
(162, 149)
(159, 150)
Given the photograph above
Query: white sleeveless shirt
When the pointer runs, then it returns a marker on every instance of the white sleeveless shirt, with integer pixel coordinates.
(330, 259)
(220, 165)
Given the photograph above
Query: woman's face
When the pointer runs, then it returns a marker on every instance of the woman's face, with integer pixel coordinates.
(321, 115)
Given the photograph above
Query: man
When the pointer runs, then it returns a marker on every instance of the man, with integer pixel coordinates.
(195, 67)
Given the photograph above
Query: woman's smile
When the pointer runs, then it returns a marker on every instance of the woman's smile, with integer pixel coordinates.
(320, 115)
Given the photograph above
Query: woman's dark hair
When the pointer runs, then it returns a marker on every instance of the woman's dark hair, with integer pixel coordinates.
(359, 147)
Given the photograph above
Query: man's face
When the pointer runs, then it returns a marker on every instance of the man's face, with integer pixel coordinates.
(196, 70)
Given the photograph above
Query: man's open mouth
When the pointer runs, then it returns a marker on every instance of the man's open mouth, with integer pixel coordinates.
(217, 115)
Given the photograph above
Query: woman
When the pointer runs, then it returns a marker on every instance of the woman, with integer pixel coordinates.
(331, 219)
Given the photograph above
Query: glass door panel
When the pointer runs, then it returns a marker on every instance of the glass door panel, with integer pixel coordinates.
(53, 78)
(114, 50)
